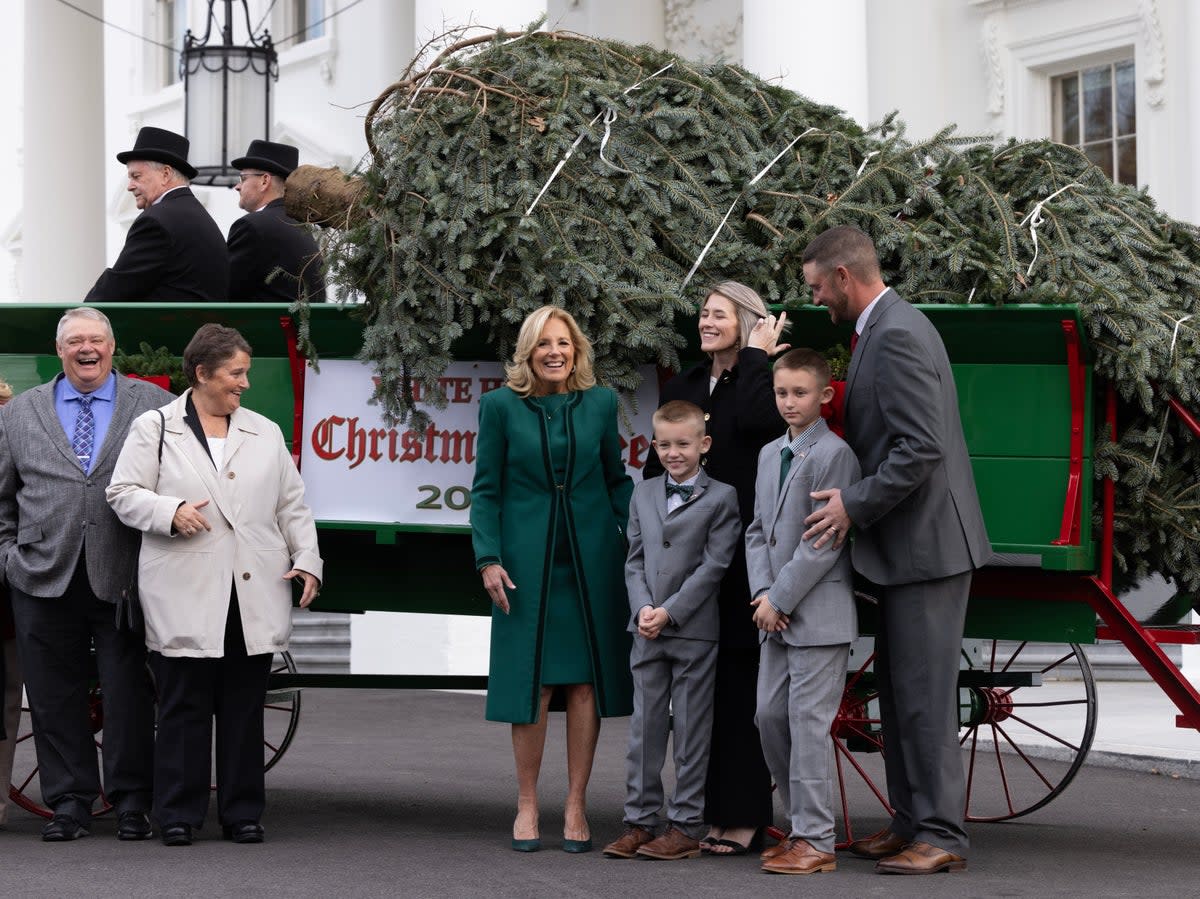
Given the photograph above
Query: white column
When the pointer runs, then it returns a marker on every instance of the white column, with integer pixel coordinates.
(63, 223)
(1190, 68)
(814, 47)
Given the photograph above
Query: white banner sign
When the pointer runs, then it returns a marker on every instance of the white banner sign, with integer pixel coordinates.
(357, 469)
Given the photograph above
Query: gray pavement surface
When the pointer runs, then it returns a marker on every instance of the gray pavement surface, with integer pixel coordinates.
(1135, 730)
(395, 793)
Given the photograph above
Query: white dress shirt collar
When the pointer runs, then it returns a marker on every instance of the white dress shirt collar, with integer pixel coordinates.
(865, 316)
(165, 192)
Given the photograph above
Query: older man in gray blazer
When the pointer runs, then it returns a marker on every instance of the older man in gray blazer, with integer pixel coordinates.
(70, 565)
(920, 535)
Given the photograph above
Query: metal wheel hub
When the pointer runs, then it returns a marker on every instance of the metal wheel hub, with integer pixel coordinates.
(989, 705)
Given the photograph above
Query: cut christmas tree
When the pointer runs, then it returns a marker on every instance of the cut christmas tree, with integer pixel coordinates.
(522, 169)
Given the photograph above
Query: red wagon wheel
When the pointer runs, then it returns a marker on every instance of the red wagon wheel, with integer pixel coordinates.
(1027, 709)
(25, 767)
(281, 717)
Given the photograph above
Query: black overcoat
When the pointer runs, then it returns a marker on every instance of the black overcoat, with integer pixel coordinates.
(262, 241)
(174, 251)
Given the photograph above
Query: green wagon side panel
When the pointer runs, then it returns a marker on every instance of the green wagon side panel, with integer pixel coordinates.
(1022, 499)
(1042, 619)
(1028, 409)
(1037, 619)
(419, 572)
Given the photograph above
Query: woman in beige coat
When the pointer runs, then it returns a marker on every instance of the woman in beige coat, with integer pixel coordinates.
(225, 533)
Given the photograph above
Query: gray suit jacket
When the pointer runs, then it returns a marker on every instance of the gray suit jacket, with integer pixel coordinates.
(813, 588)
(916, 512)
(48, 505)
(677, 561)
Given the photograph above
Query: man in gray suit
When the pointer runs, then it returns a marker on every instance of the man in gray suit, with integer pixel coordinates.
(70, 565)
(919, 536)
(683, 530)
(804, 607)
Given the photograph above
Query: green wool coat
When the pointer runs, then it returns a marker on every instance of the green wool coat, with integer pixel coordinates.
(514, 503)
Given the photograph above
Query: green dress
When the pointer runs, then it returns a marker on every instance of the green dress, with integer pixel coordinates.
(565, 655)
(549, 502)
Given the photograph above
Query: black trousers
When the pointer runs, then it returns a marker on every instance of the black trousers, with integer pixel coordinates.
(738, 790)
(55, 639)
(191, 693)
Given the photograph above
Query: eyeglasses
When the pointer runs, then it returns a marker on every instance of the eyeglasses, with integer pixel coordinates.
(245, 176)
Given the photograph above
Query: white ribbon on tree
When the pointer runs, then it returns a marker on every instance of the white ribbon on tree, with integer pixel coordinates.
(1035, 221)
(736, 200)
(1167, 411)
(609, 115)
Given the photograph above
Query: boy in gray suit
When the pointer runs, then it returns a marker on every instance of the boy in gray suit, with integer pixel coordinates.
(804, 606)
(683, 530)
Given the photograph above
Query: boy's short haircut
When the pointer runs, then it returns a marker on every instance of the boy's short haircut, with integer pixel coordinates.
(802, 358)
(677, 411)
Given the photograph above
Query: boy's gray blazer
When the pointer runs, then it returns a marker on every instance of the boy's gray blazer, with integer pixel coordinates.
(48, 505)
(676, 561)
(812, 587)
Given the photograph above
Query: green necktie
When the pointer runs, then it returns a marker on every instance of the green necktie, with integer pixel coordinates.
(785, 464)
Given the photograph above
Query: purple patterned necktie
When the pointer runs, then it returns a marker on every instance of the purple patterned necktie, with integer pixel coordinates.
(85, 433)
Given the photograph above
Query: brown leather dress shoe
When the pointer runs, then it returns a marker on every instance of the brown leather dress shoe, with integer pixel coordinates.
(628, 843)
(921, 858)
(800, 858)
(878, 845)
(671, 846)
(777, 850)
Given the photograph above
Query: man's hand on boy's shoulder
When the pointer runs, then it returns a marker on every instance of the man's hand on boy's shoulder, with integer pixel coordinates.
(767, 618)
(829, 524)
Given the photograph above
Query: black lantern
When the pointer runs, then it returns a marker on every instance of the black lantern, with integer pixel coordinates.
(227, 95)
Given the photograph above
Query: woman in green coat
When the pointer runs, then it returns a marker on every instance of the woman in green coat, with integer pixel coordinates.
(549, 506)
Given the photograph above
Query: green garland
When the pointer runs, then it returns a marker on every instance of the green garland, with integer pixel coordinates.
(150, 361)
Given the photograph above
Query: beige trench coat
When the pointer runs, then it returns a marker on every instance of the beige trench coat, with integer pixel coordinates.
(261, 528)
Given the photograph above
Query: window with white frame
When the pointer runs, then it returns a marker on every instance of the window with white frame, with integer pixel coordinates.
(298, 21)
(1095, 109)
(172, 16)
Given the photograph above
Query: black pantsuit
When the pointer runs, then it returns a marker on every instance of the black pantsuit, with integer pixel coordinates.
(741, 418)
(54, 641)
(191, 693)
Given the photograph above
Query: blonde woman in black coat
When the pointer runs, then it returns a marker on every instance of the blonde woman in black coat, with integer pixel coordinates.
(733, 387)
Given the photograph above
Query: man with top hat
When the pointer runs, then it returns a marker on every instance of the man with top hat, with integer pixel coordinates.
(272, 257)
(174, 250)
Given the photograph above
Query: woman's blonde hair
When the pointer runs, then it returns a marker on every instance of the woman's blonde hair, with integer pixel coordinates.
(521, 379)
(748, 305)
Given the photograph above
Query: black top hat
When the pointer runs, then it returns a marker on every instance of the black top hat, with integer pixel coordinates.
(160, 145)
(278, 159)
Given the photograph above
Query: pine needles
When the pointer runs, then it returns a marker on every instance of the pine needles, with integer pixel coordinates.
(652, 151)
